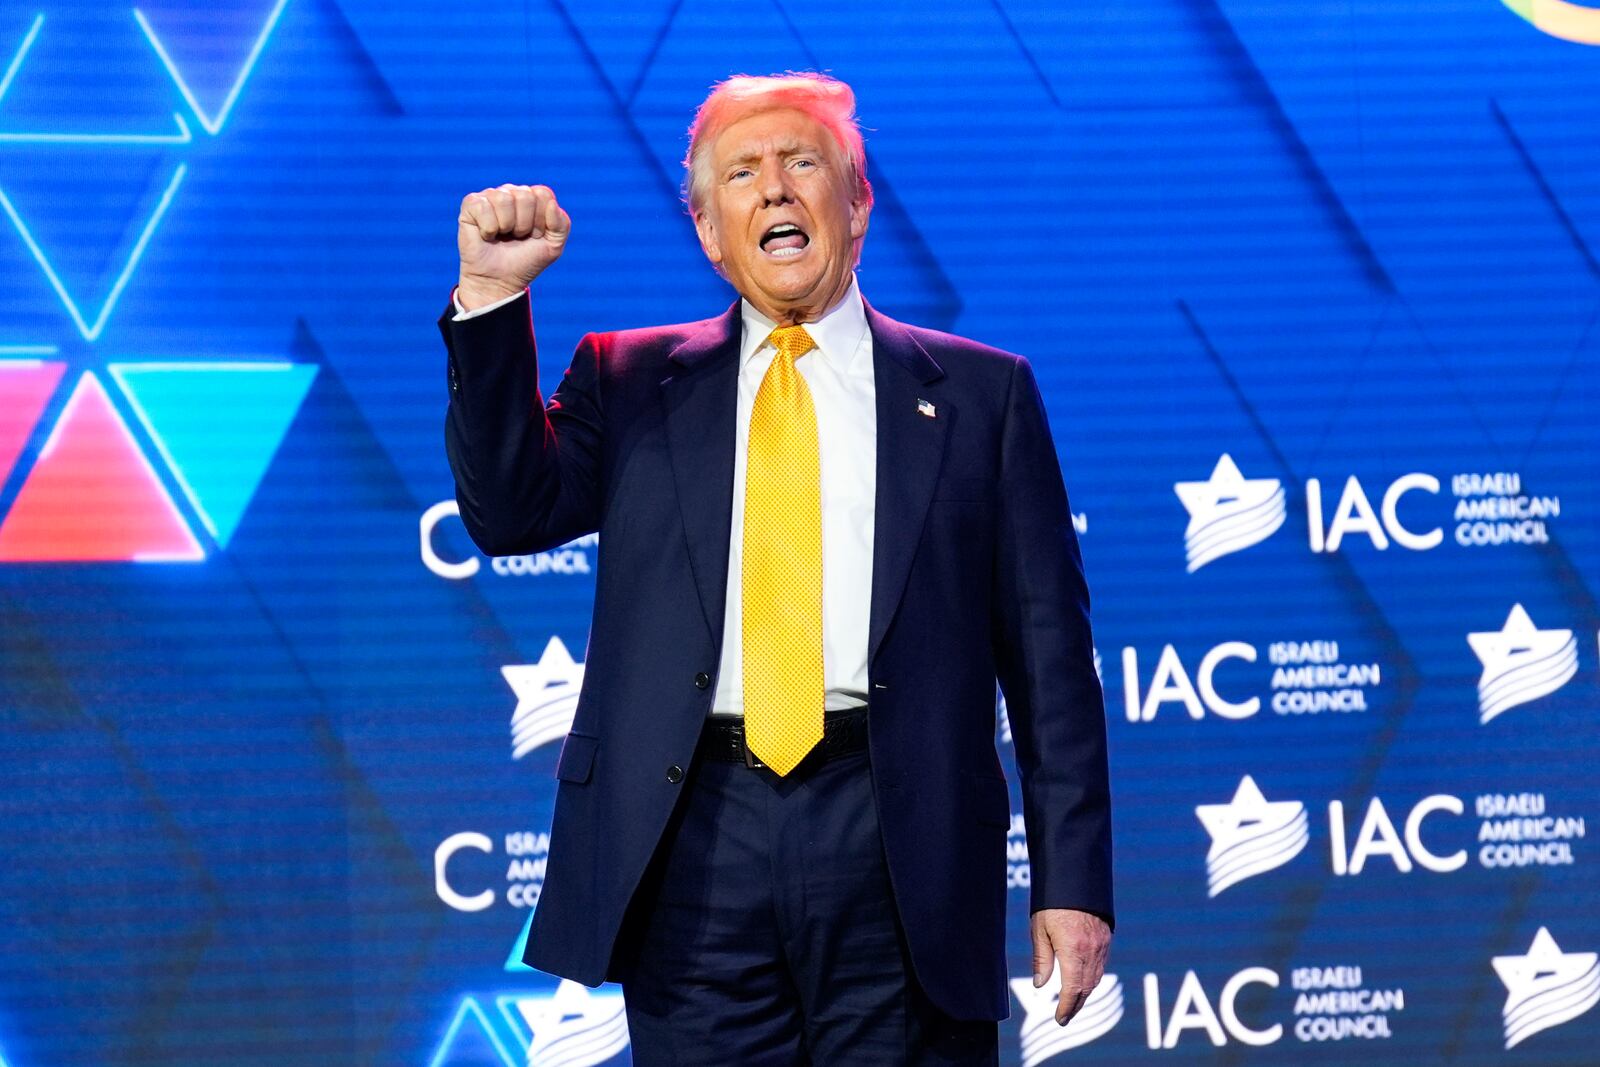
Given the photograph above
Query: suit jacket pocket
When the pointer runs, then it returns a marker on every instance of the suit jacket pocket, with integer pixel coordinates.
(988, 799)
(577, 757)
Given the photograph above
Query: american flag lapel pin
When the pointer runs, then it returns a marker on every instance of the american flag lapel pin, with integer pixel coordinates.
(925, 407)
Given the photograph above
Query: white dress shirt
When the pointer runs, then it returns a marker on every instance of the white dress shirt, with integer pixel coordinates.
(840, 376)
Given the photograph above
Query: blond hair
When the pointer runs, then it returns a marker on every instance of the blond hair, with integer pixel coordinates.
(828, 100)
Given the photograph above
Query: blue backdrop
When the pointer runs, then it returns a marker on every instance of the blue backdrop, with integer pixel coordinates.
(1312, 294)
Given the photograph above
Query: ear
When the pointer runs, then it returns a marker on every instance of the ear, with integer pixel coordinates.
(860, 215)
(708, 237)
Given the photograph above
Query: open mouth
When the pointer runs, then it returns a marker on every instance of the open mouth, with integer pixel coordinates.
(784, 240)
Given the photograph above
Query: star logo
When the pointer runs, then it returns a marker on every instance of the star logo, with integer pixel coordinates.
(570, 1026)
(547, 698)
(1229, 512)
(1521, 663)
(1546, 987)
(1041, 1037)
(573, 1026)
(1251, 835)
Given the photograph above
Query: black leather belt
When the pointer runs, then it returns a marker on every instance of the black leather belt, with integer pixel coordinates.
(843, 732)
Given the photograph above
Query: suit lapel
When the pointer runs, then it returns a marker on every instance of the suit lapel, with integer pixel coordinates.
(910, 451)
(700, 396)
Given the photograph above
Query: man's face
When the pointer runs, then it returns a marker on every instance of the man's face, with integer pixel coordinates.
(781, 217)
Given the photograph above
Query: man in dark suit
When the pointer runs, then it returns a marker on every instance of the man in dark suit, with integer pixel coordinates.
(780, 818)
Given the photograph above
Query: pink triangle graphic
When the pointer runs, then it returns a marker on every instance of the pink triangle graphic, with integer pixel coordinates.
(93, 497)
(25, 387)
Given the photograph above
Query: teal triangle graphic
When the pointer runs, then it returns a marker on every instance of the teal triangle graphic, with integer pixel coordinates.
(470, 1041)
(514, 963)
(218, 425)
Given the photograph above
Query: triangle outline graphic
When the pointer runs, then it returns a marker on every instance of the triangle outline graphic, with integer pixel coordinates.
(21, 53)
(26, 386)
(91, 331)
(57, 136)
(217, 425)
(212, 124)
(622, 55)
(469, 1007)
(92, 496)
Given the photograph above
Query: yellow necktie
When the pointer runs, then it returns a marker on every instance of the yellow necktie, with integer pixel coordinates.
(781, 581)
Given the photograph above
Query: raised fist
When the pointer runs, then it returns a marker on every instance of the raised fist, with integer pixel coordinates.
(506, 236)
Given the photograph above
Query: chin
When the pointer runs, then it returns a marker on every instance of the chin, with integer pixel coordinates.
(794, 288)
(788, 289)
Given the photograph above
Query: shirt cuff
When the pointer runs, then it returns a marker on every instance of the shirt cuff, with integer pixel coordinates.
(462, 314)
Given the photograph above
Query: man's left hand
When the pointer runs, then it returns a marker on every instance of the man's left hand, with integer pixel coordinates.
(1080, 941)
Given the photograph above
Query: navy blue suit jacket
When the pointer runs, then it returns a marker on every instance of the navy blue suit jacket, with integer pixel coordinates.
(976, 575)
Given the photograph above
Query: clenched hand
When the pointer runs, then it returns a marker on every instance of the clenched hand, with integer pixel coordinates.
(506, 237)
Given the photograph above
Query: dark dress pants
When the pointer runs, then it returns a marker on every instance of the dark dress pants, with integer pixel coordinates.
(764, 932)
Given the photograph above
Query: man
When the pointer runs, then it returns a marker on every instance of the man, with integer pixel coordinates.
(780, 818)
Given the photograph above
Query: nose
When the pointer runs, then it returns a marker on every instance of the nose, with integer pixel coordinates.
(775, 188)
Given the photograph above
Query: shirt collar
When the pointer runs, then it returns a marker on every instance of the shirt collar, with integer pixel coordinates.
(837, 334)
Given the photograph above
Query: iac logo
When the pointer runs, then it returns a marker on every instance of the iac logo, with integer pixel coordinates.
(1521, 663)
(570, 558)
(1229, 512)
(1331, 1003)
(1546, 987)
(1251, 835)
(527, 852)
(547, 698)
(1192, 1010)
(103, 482)
(1307, 678)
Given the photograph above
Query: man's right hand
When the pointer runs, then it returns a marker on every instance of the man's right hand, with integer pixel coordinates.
(506, 237)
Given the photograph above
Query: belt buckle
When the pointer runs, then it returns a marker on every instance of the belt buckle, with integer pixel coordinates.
(750, 759)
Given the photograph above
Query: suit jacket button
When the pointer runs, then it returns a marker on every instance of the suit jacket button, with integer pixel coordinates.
(674, 774)
(702, 680)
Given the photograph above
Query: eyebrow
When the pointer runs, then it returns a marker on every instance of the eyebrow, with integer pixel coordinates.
(789, 148)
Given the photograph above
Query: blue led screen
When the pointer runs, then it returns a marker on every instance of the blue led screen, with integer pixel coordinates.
(1311, 291)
